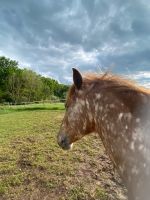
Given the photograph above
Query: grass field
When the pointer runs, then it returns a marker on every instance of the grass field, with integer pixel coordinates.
(32, 166)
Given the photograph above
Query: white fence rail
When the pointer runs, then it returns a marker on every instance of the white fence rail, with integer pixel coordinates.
(34, 102)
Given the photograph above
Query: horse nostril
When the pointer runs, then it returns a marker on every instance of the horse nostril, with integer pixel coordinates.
(63, 141)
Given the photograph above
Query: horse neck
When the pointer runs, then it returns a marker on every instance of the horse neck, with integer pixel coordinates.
(108, 111)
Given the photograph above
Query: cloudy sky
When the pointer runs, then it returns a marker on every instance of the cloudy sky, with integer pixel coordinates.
(52, 36)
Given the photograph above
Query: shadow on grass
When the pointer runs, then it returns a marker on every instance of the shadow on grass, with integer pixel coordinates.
(38, 108)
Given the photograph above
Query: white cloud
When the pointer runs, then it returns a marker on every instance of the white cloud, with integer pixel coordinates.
(142, 77)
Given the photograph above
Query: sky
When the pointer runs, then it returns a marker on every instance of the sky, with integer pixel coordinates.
(52, 36)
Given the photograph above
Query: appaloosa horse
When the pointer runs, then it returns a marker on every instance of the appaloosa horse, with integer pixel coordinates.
(118, 110)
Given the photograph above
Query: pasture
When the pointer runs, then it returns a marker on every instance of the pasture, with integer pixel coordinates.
(33, 166)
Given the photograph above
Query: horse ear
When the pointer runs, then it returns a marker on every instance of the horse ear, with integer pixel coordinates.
(77, 78)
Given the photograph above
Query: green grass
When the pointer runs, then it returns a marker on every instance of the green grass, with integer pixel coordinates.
(4, 109)
(33, 166)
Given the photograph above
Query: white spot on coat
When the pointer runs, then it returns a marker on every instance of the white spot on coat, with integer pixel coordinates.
(137, 120)
(96, 107)
(126, 127)
(112, 105)
(98, 96)
(120, 116)
(87, 104)
(82, 102)
(132, 146)
(90, 117)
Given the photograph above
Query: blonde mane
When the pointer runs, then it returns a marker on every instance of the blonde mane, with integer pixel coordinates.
(116, 82)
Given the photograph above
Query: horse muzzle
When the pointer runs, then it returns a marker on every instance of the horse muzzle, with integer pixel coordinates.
(63, 142)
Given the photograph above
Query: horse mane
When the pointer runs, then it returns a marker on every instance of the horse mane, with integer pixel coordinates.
(115, 82)
(111, 81)
(128, 91)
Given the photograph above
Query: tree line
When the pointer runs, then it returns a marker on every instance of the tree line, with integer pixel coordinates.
(24, 85)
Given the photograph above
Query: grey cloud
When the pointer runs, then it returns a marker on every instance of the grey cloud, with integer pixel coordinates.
(53, 36)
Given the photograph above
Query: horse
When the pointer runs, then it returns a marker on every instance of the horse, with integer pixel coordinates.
(118, 110)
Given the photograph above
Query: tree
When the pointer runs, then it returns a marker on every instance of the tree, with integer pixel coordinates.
(19, 85)
(7, 68)
(15, 85)
(48, 88)
(61, 90)
(32, 85)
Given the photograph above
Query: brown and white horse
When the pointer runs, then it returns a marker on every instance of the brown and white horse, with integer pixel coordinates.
(118, 110)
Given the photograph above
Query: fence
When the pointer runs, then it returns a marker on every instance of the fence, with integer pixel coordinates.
(34, 102)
